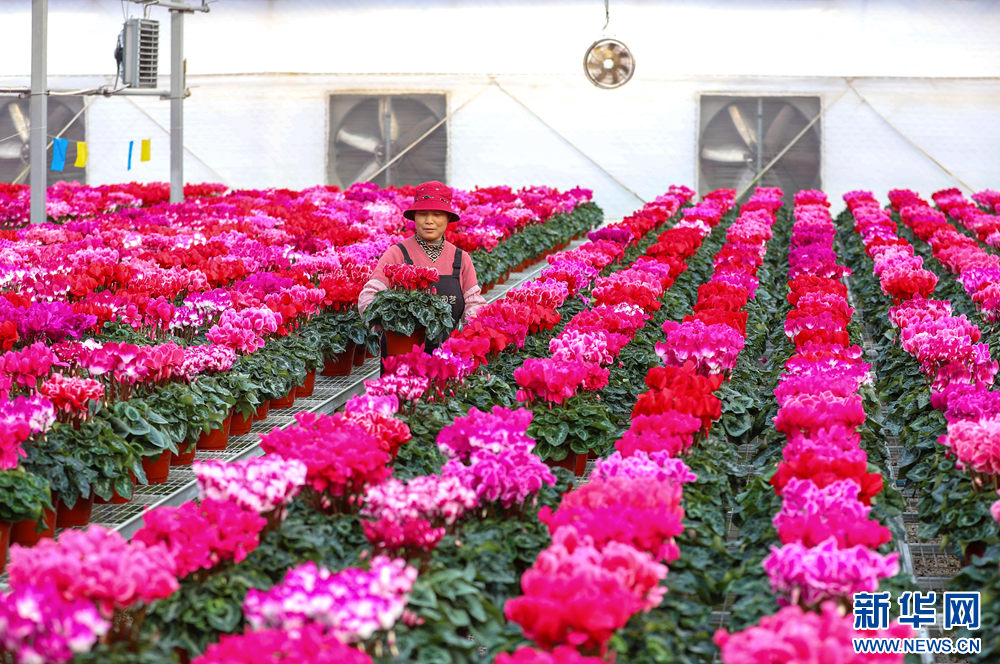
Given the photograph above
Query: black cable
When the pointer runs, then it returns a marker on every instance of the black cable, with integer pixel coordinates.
(119, 56)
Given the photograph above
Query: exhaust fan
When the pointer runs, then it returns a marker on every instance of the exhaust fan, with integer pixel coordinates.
(741, 135)
(15, 128)
(367, 131)
(608, 63)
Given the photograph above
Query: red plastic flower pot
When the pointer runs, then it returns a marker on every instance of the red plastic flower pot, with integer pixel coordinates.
(359, 355)
(4, 543)
(23, 532)
(216, 439)
(340, 364)
(157, 468)
(285, 401)
(240, 425)
(398, 344)
(76, 516)
(186, 456)
(308, 386)
(262, 411)
(569, 463)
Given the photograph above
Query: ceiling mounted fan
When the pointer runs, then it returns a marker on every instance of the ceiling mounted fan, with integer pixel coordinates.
(608, 63)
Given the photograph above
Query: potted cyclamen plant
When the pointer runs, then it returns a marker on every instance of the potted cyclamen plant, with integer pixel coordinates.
(25, 505)
(82, 463)
(303, 348)
(340, 334)
(191, 411)
(140, 424)
(409, 311)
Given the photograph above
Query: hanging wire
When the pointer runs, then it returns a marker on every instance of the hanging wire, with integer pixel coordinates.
(850, 84)
(607, 16)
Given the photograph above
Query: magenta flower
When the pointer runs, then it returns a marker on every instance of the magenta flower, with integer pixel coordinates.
(658, 465)
(794, 636)
(257, 484)
(202, 536)
(98, 565)
(810, 576)
(271, 646)
(670, 432)
(508, 476)
(810, 515)
(28, 365)
(351, 605)
(340, 456)
(578, 594)
(712, 348)
(38, 624)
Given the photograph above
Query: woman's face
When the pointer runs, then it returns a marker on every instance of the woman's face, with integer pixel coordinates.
(431, 224)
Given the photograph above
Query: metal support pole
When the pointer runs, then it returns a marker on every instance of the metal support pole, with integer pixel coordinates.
(39, 112)
(176, 106)
(387, 123)
(760, 133)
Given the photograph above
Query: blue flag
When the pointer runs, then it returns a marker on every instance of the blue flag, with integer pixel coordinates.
(59, 146)
(130, 145)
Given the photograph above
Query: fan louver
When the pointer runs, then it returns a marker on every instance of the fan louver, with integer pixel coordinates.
(360, 141)
(740, 135)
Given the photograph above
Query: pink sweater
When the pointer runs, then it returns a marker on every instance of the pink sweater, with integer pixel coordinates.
(467, 277)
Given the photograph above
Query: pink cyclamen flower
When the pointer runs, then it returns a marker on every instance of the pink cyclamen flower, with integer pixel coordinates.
(809, 576)
(351, 605)
(257, 484)
(99, 565)
(794, 636)
(38, 624)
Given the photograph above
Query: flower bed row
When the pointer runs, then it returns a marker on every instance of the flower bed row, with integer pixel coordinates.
(976, 270)
(829, 545)
(644, 452)
(958, 371)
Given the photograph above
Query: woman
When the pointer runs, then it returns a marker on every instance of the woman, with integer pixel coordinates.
(431, 212)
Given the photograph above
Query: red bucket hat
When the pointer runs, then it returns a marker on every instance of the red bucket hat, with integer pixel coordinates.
(432, 196)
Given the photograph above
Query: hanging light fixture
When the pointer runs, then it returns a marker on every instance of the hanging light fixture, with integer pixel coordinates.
(608, 63)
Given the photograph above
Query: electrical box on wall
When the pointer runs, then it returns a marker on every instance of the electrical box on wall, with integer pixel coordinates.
(142, 47)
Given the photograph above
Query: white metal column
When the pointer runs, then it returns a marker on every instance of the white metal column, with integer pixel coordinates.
(39, 112)
(176, 106)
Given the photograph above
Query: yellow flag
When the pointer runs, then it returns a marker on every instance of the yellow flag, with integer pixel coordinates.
(81, 154)
(144, 155)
